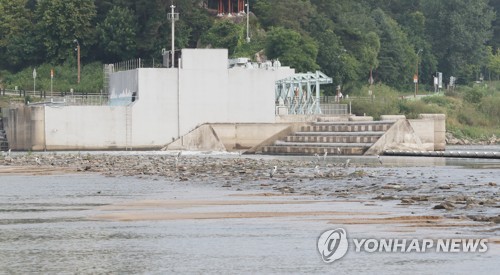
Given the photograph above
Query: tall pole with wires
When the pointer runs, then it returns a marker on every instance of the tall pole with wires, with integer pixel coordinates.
(173, 16)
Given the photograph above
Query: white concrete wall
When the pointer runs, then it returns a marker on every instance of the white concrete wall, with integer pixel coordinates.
(155, 112)
(85, 127)
(250, 98)
(203, 84)
(170, 103)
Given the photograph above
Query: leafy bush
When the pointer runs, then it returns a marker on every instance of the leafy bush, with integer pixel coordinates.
(383, 102)
(412, 109)
(473, 95)
(437, 100)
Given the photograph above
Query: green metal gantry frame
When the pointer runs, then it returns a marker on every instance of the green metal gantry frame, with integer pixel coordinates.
(296, 93)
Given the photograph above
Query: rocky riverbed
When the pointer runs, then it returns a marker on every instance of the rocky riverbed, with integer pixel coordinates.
(452, 140)
(455, 192)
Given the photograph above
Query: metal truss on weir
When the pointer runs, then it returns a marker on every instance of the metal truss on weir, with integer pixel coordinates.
(300, 93)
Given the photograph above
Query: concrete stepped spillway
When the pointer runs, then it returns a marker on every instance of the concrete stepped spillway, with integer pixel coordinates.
(334, 138)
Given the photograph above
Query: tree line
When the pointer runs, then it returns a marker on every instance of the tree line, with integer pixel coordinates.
(345, 39)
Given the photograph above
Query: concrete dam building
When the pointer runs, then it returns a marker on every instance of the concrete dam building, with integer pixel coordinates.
(211, 103)
(150, 107)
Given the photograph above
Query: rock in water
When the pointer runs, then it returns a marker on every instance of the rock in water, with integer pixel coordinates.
(445, 205)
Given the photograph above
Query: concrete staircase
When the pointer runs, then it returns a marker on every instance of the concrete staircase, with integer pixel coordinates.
(4, 144)
(335, 138)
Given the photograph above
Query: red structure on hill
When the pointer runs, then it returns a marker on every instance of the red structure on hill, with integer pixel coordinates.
(227, 7)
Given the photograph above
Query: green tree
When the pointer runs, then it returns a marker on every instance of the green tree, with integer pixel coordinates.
(17, 47)
(493, 65)
(397, 56)
(358, 47)
(195, 21)
(223, 34)
(414, 24)
(495, 41)
(117, 34)
(62, 21)
(459, 31)
(292, 49)
(329, 50)
(290, 14)
(154, 26)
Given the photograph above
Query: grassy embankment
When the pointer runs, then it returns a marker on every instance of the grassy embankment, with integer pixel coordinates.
(65, 78)
(471, 111)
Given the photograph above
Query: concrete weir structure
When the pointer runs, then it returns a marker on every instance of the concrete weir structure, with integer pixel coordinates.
(151, 107)
(210, 103)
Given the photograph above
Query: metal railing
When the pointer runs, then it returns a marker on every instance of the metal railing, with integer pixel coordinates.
(325, 109)
(334, 109)
(75, 100)
(81, 100)
(20, 93)
(135, 64)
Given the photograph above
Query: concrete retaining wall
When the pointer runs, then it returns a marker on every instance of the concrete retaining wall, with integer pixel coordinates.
(25, 128)
(439, 129)
(85, 127)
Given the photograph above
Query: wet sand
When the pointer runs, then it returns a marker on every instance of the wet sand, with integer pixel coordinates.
(467, 191)
(143, 214)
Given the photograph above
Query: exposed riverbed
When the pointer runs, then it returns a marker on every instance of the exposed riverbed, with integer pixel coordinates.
(150, 213)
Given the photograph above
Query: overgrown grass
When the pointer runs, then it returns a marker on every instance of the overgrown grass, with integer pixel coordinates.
(471, 111)
(65, 78)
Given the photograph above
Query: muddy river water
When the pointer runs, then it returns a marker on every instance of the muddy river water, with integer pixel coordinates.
(68, 221)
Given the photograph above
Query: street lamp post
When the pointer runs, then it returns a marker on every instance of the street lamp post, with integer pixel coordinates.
(248, 20)
(416, 74)
(78, 58)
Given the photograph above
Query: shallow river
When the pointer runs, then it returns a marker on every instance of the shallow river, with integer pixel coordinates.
(88, 223)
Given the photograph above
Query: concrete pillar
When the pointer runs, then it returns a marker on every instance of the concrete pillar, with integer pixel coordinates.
(439, 130)
(37, 123)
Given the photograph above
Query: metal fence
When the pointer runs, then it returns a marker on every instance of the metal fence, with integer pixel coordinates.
(20, 93)
(135, 64)
(334, 109)
(75, 100)
(80, 100)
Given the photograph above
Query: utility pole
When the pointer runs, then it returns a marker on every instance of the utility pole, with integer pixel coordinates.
(173, 16)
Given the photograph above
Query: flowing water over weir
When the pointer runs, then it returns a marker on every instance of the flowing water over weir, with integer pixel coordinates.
(61, 221)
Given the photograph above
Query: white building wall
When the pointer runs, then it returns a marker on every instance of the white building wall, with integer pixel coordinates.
(85, 127)
(203, 85)
(169, 104)
(251, 93)
(155, 112)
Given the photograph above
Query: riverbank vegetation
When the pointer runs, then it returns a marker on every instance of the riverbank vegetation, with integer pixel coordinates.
(472, 112)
